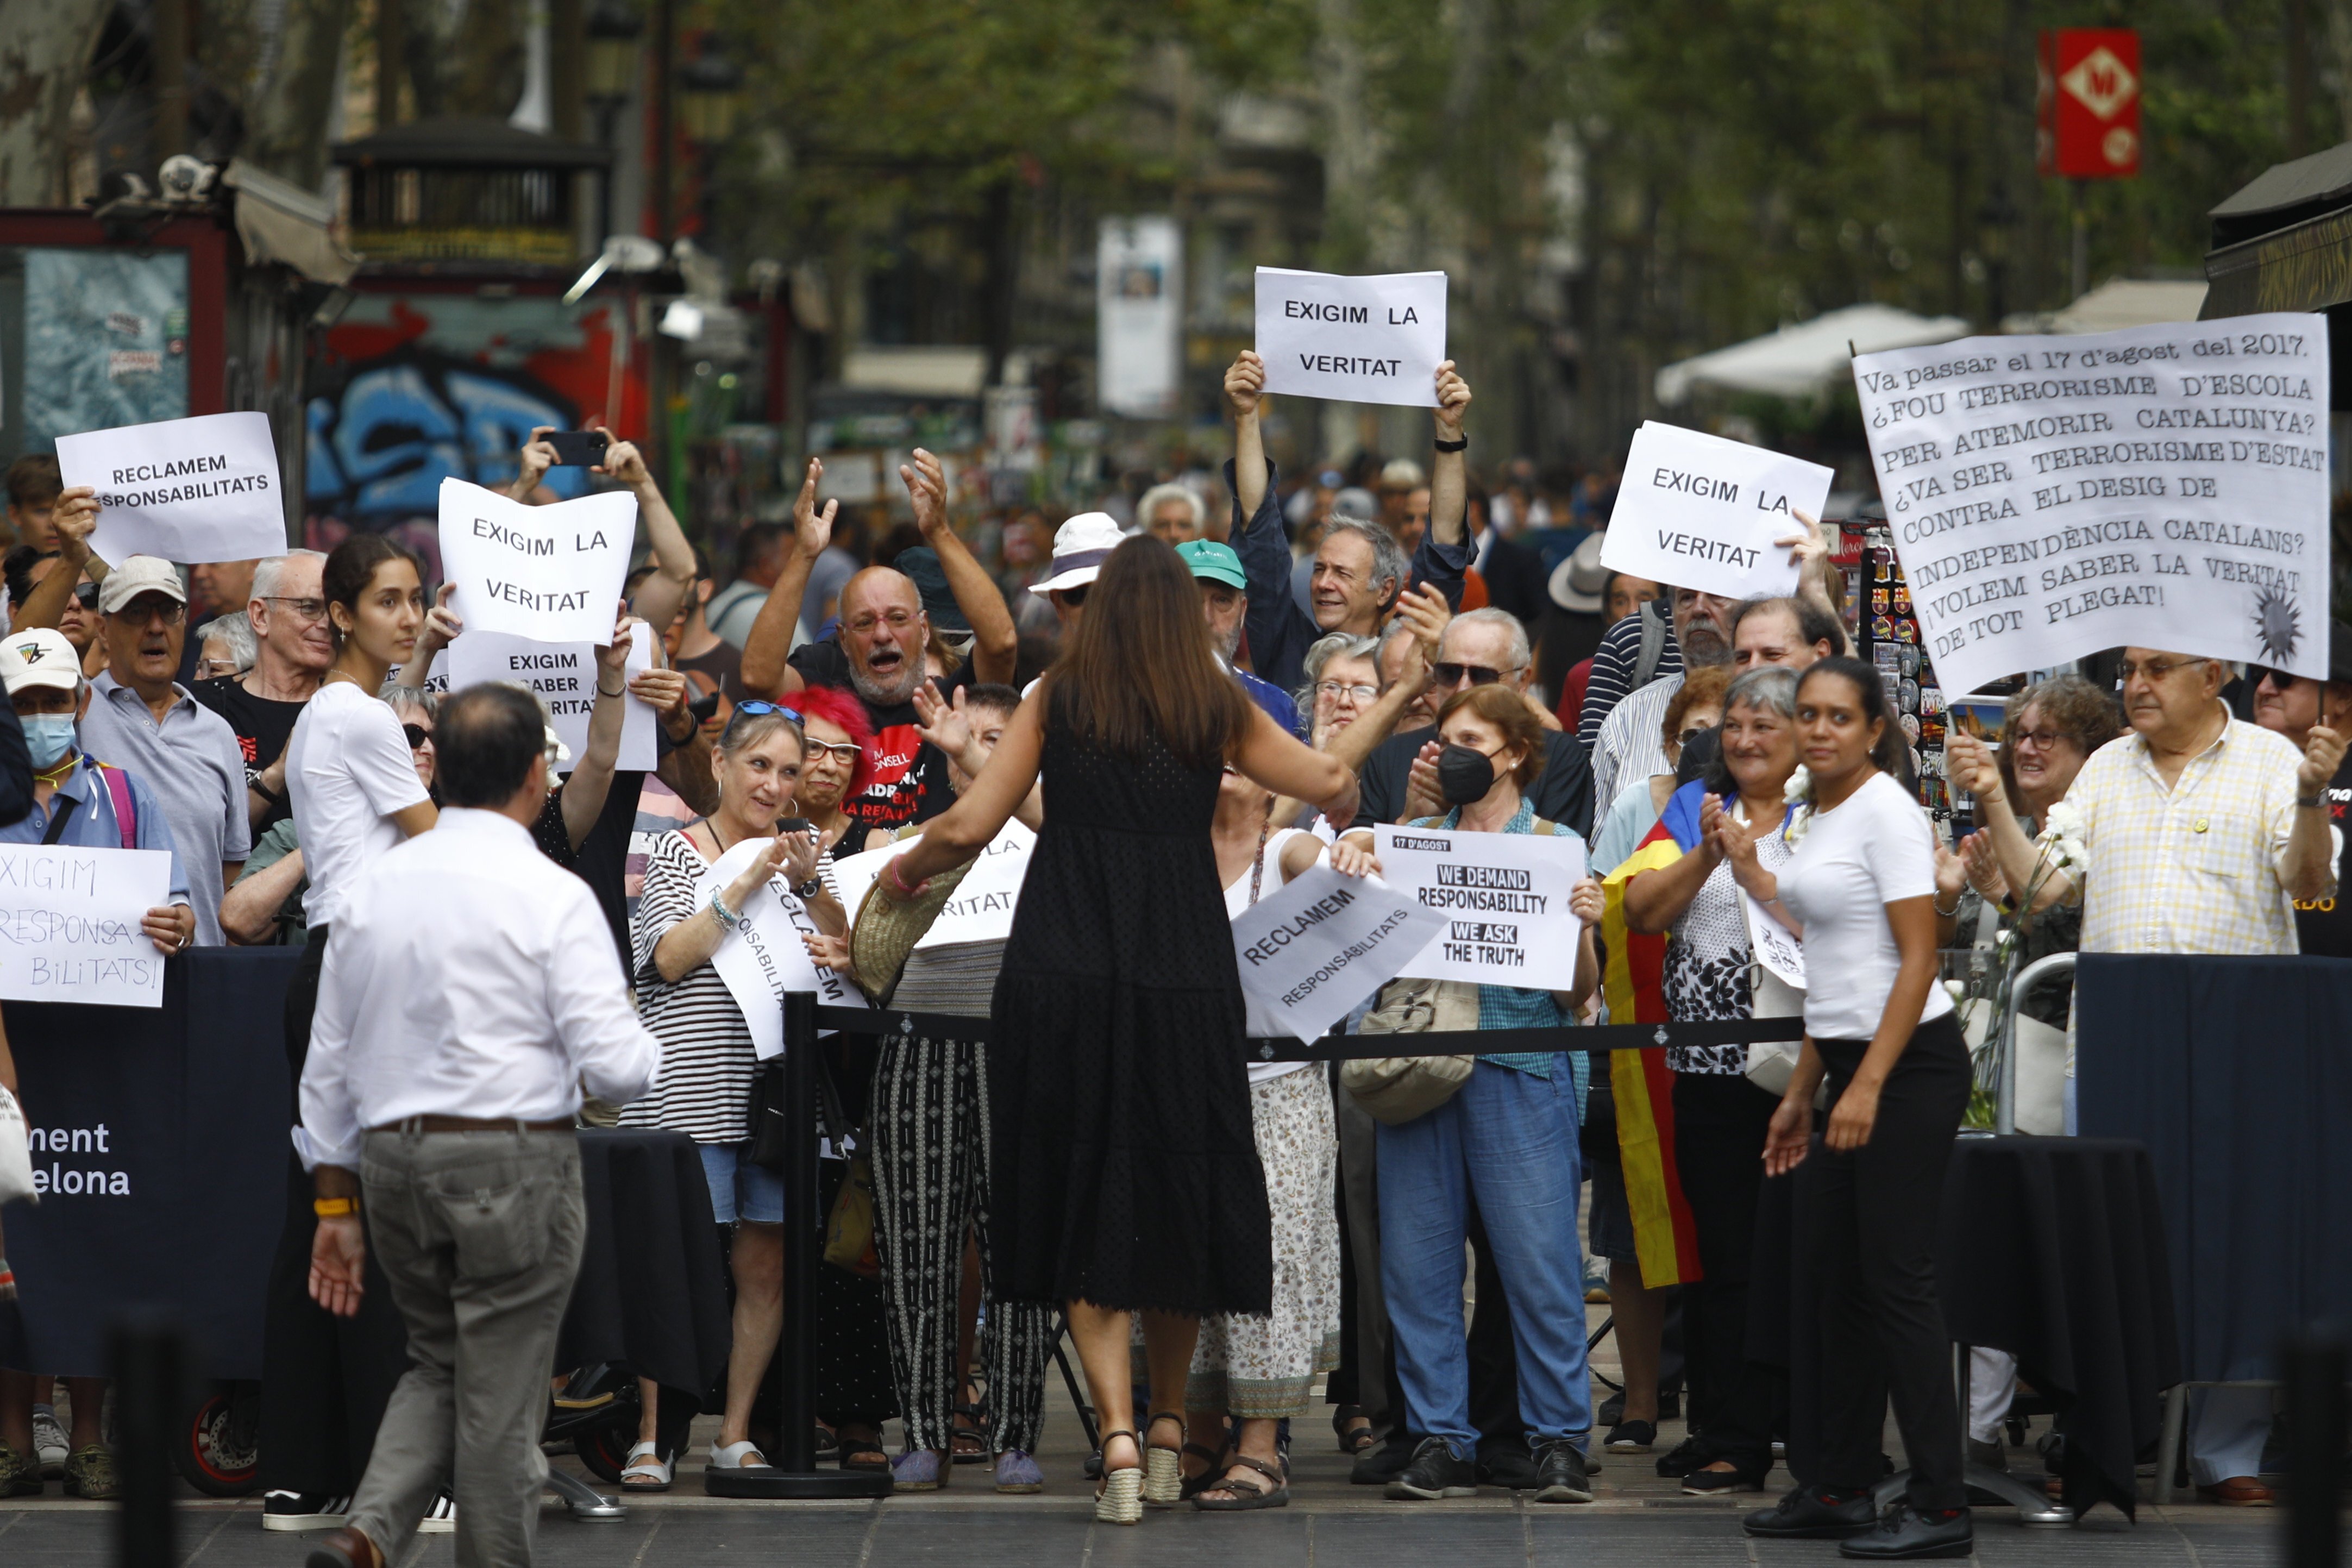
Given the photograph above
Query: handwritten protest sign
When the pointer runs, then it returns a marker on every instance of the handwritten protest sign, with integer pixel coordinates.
(1358, 340)
(550, 574)
(1702, 512)
(762, 960)
(186, 489)
(1323, 942)
(1504, 897)
(1777, 947)
(2165, 487)
(69, 925)
(564, 676)
(980, 908)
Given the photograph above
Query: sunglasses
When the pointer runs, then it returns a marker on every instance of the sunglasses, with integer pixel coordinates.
(1451, 674)
(754, 709)
(419, 737)
(2282, 681)
(1075, 596)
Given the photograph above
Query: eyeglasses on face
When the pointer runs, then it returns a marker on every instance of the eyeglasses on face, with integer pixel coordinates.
(309, 609)
(1692, 733)
(86, 596)
(2040, 740)
(1448, 673)
(1335, 688)
(2282, 680)
(2155, 668)
(845, 753)
(153, 607)
(419, 737)
(897, 620)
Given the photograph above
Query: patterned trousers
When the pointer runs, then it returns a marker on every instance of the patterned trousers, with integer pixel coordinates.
(927, 1127)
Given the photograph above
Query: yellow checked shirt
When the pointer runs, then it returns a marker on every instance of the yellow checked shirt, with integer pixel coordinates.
(2195, 868)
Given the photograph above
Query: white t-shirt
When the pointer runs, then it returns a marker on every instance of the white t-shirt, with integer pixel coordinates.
(347, 770)
(1851, 863)
(1238, 899)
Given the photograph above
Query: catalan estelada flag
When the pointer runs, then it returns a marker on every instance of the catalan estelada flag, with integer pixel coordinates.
(1664, 1238)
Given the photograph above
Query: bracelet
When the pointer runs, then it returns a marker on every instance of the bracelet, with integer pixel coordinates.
(896, 879)
(602, 692)
(727, 917)
(1938, 905)
(1461, 446)
(2310, 802)
(332, 1208)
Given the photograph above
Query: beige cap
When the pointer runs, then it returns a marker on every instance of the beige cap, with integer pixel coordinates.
(139, 575)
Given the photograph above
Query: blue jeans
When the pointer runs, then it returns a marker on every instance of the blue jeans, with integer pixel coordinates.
(739, 1189)
(1506, 1142)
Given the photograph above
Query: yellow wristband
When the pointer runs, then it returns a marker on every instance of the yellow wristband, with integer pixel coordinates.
(332, 1208)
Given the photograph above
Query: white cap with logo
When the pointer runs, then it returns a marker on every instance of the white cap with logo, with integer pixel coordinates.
(38, 657)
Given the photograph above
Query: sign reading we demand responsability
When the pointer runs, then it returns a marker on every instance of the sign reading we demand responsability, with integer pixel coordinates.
(1357, 340)
(2164, 487)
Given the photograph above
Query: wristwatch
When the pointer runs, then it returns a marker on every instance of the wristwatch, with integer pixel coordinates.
(253, 782)
(809, 890)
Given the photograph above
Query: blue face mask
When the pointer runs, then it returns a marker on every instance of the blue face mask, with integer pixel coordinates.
(49, 736)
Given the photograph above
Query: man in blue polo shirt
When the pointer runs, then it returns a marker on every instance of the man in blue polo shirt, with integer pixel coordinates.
(1224, 599)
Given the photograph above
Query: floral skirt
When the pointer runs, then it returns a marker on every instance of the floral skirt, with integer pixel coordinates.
(1262, 1368)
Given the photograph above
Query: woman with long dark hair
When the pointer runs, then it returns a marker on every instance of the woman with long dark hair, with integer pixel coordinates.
(1126, 1171)
(1863, 885)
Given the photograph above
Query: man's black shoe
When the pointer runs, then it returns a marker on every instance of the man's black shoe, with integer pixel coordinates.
(1561, 1475)
(1434, 1473)
(1686, 1456)
(1377, 1466)
(1612, 1410)
(1807, 1513)
(1901, 1531)
(1507, 1463)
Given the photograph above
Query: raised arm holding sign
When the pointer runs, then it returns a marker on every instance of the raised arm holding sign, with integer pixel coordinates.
(550, 574)
(1702, 512)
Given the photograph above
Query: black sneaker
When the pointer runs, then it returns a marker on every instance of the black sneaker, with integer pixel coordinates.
(1901, 1531)
(1813, 1514)
(1434, 1473)
(1507, 1464)
(1708, 1483)
(1560, 1473)
(1631, 1437)
(303, 1511)
(1378, 1466)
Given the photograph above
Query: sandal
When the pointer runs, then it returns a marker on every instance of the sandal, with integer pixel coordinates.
(1118, 1496)
(743, 1455)
(1247, 1494)
(1353, 1440)
(646, 1470)
(862, 1454)
(969, 1443)
(1163, 1467)
(1216, 1466)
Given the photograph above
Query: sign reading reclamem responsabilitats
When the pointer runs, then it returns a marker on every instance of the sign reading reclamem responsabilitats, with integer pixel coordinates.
(1698, 511)
(69, 925)
(550, 574)
(1504, 897)
(1354, 340)
(186, 489)
(1310, 951)
(2165, 487)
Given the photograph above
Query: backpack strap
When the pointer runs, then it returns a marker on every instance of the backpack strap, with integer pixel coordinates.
(1653, 648)
(126, 809)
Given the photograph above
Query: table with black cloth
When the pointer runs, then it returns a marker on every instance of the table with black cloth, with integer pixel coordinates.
(2049, 1248)
(651, 1292)
(2235, 1074)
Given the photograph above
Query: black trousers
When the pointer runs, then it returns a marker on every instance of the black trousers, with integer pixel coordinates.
(1720, 1120)
(1866, 1228)
(324, 1380)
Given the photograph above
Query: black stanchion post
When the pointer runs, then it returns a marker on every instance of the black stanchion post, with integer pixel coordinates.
(150, 1361)
(794, 1473)
(2315, 1370)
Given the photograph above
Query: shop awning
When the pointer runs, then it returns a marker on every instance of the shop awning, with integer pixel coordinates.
(1806, 359)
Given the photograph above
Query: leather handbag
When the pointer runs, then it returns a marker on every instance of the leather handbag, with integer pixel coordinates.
(1396, 1089)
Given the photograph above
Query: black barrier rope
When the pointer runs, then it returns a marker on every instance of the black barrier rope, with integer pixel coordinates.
(1346, 1047)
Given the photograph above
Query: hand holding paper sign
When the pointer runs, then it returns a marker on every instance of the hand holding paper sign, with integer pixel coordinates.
(198, 489)
(1698, 511)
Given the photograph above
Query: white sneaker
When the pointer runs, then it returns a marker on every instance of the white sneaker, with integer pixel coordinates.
(49, 1446)
(441, 1518)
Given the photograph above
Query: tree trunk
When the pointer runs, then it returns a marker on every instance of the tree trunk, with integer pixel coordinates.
(45, 47)
(286, 133)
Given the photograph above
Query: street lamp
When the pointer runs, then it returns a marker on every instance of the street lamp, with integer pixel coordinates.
(711, 97)
(613, 29)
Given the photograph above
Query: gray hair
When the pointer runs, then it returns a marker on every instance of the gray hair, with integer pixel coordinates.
(1514, 629)
(272, 571)
(237, 631)
(1194, 504)
(423, 699)
(1388, 565)
(1767, 689)
(1338, 645)
(745, 730)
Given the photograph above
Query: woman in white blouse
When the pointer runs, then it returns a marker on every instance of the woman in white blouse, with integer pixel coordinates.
(1862, 886)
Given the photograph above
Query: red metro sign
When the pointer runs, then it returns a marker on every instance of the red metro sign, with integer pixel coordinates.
(2089, 102)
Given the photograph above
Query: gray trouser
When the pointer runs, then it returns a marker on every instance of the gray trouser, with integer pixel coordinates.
(1359, 1175)
(480, 1234)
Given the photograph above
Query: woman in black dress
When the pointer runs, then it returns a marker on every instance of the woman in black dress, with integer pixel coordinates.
(1126, 1176)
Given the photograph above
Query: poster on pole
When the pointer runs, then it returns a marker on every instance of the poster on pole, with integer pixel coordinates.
(2163, 487)
(1321, 944)
(1138, 315)
(564, 676)
(1377, 339)
(69, 925)
(764, 958)
(1504, 897)
(1702, 512)
(190, 491)
(550, 574)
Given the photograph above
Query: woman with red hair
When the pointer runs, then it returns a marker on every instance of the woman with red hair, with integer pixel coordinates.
(840, 763)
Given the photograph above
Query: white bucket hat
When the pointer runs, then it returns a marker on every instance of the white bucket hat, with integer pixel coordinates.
(1080, 547)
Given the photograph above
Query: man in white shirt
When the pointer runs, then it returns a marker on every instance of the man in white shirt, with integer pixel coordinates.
(471, 990)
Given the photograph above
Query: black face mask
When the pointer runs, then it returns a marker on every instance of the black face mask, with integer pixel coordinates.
(1463, 776)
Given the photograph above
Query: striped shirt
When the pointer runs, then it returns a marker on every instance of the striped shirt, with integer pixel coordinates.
(1613, 675)
(708, 1064)
(1632, 745)
(2195, 867)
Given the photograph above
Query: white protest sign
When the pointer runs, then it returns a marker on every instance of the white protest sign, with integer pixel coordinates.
(1702, 512)
(852, 876)
(1357, 340)
(1505, 898)
(1777, 947)
(1312, 950)
(437, 674)
(69, 925)
(186, 489)
(564, 676)
(2165, 487)
(981, 908)
(765, 958)
(551, 573)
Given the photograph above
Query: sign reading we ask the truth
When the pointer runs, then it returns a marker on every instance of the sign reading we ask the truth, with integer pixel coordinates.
(1357, 340)
(550, 574)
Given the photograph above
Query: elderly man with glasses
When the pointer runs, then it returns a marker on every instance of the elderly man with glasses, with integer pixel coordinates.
(292, 649)
(2203, 832)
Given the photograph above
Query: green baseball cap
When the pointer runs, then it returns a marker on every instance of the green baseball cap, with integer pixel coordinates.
(1215, 562)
